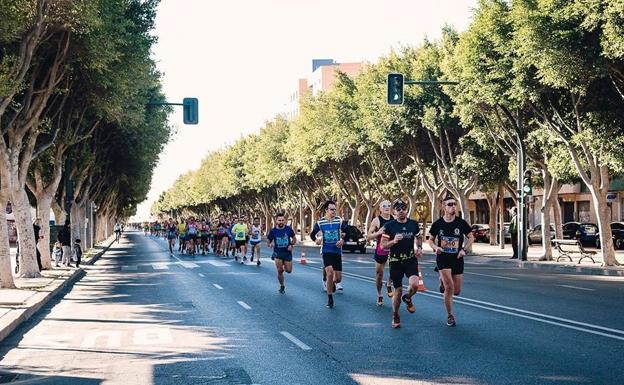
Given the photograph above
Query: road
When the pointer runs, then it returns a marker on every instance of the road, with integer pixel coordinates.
(141, 316)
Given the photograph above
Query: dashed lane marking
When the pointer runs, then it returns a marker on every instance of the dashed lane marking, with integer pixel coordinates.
(244, 305)
(577, 287)
(295, 340)
(493, 276)
(217, 286)
(201, 275)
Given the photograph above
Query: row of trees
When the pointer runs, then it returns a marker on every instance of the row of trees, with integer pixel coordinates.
(76, 79)
(548, 72)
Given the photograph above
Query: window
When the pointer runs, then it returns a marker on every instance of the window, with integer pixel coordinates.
(583, 212)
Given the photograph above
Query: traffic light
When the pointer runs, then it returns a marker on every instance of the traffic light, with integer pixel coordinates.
(395, 89)
(527, 189)
(190, 110)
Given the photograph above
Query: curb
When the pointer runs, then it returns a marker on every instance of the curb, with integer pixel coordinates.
(16, 317)
(568, 268)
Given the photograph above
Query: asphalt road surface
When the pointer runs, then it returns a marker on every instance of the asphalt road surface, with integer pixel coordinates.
(141, 316)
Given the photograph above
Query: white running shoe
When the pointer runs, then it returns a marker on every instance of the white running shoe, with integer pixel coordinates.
(339, 287)
(324, 285)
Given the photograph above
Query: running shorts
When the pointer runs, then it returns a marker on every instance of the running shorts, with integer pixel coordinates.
(398, 269)
(241, 243)
(381, 258)
(450, 262)
(255, 243)
(285, 256)
(334, 260)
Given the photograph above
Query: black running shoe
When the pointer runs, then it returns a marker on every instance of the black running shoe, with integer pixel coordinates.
(441, 287)
(282, 290)
(450, 321)
(330, 302)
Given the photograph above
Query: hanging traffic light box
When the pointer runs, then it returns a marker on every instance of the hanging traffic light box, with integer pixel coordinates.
(395, 89)
(527, 189)
(190, 111)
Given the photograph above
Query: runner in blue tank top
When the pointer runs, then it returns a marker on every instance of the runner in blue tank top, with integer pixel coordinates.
(333, 230)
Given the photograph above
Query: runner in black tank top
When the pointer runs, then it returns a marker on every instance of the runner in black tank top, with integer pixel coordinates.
(375, 231)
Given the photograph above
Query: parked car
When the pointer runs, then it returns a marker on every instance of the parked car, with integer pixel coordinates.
(585, 232)
(507, 234)
(535, 234)
(617, 233)
(355, 240)
(480, 232)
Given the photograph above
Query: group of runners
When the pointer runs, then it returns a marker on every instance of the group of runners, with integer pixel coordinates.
(399, 245)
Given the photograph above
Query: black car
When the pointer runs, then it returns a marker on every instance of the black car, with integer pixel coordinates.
(617, 233)
(355, 240)
(584, 232)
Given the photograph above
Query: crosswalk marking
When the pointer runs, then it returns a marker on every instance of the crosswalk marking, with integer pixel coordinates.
(160, 266)
(217, 263)
(189, 265)
(129, 268)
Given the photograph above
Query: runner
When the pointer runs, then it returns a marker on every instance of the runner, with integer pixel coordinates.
(333, 229)
(182, 235)
(172, 232)
(192, 229)
(446, 238)
(204, 230)
(399, 236)
(240, 230)
(117, 230)
(228, 238)
(255, 240)
(375, 231)
(281, 238)
(220, 234)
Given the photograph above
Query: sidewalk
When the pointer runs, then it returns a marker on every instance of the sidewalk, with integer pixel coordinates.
(17, 305)
(486, 254)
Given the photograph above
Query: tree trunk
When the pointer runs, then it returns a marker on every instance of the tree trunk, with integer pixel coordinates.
(557, 213)
(491, 200)
(44, 207)
(59, 213)
(599, 196)
(551, 188)
(303, 222)
(25, 233)
(6, 275)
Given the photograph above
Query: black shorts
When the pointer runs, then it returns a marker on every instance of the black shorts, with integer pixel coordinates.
(334, 260)
(381, 259)
(219, 236)
(450, 262)
(398, 269)
(191, 237)
(241, 243)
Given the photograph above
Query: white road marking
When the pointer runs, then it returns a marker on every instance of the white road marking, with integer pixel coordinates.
(577, 287)
(152, 336)
(295, 341)
(364, 262)
(129, 268)
(189, 265)
(201, 275)
(244, 305)
(493, 276)
(217, 263)
(160, 266)
(217, 286)
(111, 338)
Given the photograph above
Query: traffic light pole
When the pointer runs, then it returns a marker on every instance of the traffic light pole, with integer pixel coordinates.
(522, 203)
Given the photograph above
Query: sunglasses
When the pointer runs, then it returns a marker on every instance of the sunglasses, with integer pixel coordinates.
(451, 204)
(385, 206)
(400, 208)
(331, 209)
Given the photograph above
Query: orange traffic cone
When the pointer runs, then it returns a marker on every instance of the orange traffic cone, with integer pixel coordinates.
(421, 283)
(303, 259)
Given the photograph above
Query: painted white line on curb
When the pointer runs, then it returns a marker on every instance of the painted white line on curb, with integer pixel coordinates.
(577, 288)
(296, 341)
(244, 305)
(217, 286)
(201, 275)
(492, 276)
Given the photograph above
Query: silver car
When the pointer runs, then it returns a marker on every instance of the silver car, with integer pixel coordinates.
(535, 234)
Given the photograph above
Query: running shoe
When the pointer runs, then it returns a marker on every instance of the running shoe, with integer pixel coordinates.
(390, 292)
(251, 259)
(441, 287)
(241, 262)
(258, 263)
(236, 258)
(379, 301)
(338, 287)
(282, 290)
(450, 321)
(330, 302)
(324, 285)
(396, 321)
(408, 302)
(244, 258)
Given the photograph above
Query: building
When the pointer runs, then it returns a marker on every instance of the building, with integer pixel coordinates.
(321, 79)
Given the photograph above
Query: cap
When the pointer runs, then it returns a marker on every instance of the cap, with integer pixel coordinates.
(399, 204)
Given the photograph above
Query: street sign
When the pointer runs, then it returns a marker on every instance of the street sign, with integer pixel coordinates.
(611, 197)
(190, 110)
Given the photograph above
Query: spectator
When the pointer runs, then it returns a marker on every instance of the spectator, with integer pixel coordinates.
(64, 237)
(77, 252)
(37, 228)
(513, 231)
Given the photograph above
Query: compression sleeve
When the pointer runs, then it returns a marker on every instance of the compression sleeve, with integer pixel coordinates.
(315, 230)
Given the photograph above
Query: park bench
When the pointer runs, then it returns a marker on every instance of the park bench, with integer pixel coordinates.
(569, 247)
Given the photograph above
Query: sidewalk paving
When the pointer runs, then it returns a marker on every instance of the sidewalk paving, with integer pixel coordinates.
(487, 254)
(17, 305)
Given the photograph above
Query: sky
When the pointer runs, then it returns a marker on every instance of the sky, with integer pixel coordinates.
(242, 60)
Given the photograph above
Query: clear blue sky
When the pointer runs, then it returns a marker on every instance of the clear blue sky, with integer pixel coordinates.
(242, 59)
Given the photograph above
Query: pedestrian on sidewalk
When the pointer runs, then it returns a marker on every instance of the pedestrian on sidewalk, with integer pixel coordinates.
(77, 253)
(37, 229)
(513, 231)
(58, 253)
(64, 237)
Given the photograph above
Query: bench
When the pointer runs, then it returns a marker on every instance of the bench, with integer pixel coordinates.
(567, 247)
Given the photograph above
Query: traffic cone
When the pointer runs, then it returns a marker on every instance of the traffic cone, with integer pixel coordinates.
(421, 283)
(303, 259)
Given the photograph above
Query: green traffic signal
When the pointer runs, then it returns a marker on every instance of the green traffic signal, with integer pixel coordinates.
(190, 110)
(395, 89)
(526, 186)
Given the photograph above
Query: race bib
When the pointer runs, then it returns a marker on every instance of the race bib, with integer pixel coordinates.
(282, 242)
(449, 244)
(331, 236)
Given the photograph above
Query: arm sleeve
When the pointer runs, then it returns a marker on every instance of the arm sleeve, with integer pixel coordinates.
(315, 229)
(343, 228)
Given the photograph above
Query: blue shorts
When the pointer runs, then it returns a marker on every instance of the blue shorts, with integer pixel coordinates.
(285, 256)
(254, 243)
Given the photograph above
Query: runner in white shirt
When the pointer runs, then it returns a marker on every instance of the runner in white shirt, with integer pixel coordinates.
(255, 240)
